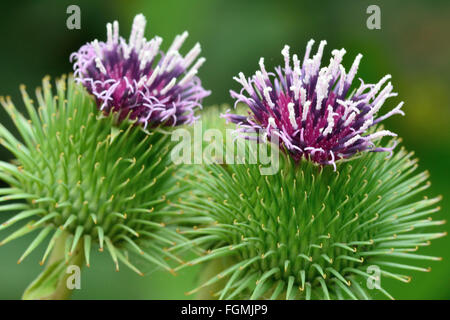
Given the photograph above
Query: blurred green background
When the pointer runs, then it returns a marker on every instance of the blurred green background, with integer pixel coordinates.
(413, 45)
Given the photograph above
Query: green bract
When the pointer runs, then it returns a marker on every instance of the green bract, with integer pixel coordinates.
(82, 177)
(308, 232)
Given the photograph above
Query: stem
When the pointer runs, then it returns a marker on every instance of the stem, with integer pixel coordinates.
(52, 283)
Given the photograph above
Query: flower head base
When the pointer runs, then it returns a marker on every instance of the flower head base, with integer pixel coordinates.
(310, 233)
(76, 175)
(310, 109)
(138, 81)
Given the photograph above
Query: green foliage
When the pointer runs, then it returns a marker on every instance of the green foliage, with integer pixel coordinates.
(308, 232)
(51, 284)
(76, 171)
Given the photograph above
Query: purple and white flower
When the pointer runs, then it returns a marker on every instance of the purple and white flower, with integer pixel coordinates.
(137, 80)
(311, 110)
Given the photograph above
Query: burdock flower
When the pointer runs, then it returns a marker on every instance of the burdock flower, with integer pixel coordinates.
(311, 109)
(137, 80)
(81, 182)
(307, 231)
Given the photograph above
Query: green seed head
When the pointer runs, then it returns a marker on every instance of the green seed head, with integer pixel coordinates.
(308, 232)
(79, 174)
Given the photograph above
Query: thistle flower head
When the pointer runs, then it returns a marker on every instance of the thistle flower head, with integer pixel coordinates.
(77, 174)
(136, 80)
(310, 108)
(308, 232)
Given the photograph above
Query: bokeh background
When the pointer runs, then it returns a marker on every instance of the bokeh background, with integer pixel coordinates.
(413, 45)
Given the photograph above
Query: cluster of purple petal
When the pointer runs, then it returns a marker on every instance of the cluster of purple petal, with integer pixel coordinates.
(310, 109)
(136, 80)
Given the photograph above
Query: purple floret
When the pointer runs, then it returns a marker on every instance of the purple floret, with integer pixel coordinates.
(310, 109)
(136, 79)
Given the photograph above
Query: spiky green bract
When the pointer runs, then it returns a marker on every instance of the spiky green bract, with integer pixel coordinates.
(308, 232)
(77, 172)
